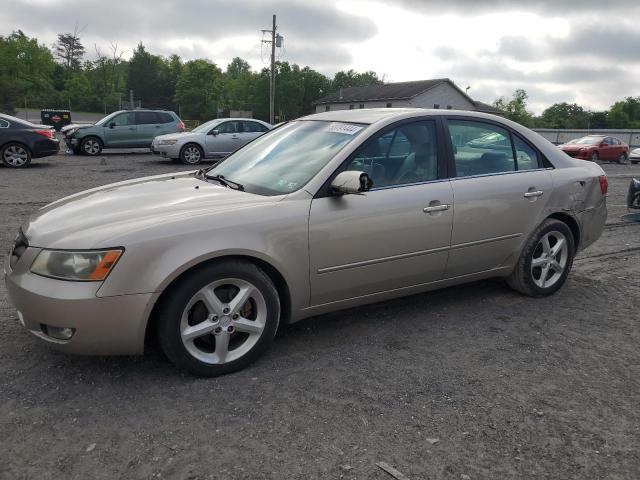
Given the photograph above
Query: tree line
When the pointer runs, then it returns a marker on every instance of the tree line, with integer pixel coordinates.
(60, 77)
(623, 114)
(35, 75)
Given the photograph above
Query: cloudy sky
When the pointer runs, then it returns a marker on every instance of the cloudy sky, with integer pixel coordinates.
(583, 51)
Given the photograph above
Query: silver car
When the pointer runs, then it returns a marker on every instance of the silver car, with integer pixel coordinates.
(214, 139)
(331, 211)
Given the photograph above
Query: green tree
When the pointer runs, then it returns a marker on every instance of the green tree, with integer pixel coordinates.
(565, 115)
(150, 79)
(70, 50)
(26, 70)
(198, 90)
(625, 113)
(351, 78)
(516, 108)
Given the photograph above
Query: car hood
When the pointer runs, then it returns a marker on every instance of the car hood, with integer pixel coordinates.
(573, 147)
(75, 125)
(116, 214)
(177, 136)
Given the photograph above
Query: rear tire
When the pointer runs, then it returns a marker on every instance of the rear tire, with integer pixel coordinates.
(15, 155)
(545, 260)
(191, 154)
(91, 146)
(623, 159)
(219, 319)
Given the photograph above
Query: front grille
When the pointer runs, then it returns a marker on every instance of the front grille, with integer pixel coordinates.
(20, 246)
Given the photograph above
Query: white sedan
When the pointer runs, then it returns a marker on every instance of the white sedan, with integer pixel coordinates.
(213, 139)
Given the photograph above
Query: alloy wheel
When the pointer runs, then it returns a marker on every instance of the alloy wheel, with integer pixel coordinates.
(192, 154)
(549, 259)
(91, 146)
(223, 321)
(16, 156)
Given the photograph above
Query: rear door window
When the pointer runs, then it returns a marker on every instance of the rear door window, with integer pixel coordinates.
(164, 117)
(252, 127)
(146, 118)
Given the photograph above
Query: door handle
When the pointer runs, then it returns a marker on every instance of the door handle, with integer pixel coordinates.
(436, 208)
(536, 193)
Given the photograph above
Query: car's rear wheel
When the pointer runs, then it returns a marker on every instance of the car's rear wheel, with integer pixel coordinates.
(595, 157)
(91, 146)
(16, 155)
(191, 154)
(545, 261)
(219, 319)
(623, 159)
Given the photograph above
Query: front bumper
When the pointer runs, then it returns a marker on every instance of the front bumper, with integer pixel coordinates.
(103, 325)
(168, 151)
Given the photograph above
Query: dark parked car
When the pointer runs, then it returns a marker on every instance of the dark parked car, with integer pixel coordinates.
(597, 147)
(20, 141)
(122, 129)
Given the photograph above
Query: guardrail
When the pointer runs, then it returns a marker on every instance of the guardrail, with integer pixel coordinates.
(558, 136)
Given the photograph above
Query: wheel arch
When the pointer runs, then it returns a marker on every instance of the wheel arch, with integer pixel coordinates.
(274, 274)
(573, 225)
(16, 142)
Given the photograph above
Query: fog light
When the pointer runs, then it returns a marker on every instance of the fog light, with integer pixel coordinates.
(60, 333)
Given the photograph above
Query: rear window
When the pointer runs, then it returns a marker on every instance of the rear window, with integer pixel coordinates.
(254, 127)
(165, 117)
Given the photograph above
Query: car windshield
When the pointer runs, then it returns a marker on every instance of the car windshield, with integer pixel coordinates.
(589, 140)
(107, 118)
(285, 159)
(205, 127)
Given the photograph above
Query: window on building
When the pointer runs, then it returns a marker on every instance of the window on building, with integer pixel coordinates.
(449, 107)
(362, 105)
(351, 107)
(389, 105)
(327, 108)
(436, 105)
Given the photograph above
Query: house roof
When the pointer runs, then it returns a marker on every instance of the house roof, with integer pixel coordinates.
(387, 91)
(397, 91)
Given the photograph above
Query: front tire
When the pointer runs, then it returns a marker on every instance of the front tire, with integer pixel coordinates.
(91, 146)
(191, 154)
(595, 157)
(545, 261)
(219, 319)
(15, 155)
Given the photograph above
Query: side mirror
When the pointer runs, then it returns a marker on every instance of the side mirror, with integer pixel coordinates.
(112, 124)
(351, 182)
(214, 132)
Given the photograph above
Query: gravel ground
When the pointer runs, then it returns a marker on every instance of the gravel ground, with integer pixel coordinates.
(471, 382)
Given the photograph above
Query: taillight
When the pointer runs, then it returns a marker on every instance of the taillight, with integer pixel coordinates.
(604, 184)
(45, 133)
(181, 127)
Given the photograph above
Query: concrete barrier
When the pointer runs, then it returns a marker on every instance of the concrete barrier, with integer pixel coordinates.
(631, 137)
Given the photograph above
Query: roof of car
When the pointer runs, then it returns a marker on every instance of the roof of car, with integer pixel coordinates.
(373, 115)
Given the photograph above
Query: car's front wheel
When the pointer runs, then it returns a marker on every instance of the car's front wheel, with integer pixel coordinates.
(545, 261)
(191, 154)
(16, 155)
(91, 146)
(219, 319)
(594, 157)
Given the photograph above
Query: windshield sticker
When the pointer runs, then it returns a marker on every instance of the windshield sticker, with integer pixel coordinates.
(345, 128)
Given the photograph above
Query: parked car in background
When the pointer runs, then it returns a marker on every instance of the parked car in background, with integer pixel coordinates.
(634, 155)
(597, 147)
(213, 139)
(20, 141)
(302, 221)
(122, 129)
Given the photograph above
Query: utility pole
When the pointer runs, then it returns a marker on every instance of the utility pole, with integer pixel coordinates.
(276, 41)
(131, 106)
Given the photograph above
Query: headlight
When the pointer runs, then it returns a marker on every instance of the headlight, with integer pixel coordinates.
(167, 142)
(70, 133)
(82, 266)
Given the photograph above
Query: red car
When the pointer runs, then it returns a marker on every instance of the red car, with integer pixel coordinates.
(597, 147)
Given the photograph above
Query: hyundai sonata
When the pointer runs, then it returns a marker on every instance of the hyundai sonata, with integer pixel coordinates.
(331, 211)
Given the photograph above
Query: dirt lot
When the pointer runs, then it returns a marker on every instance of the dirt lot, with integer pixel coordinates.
(472, 382)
